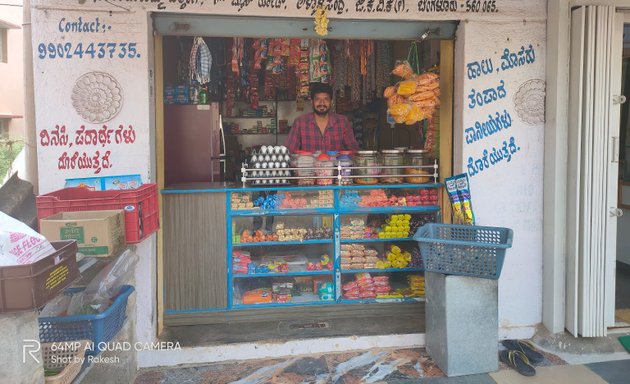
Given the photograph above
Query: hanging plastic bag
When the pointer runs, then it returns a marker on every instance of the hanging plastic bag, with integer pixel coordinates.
(102, 290)
(20, 244)
(402, 69)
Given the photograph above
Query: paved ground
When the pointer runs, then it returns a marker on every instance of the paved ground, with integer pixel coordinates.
(398, 366)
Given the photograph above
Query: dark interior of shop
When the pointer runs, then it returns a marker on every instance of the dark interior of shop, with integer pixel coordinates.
(359, 99)
(622, 289)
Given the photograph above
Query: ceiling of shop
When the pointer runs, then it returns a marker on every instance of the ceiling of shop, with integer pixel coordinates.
(200, 25)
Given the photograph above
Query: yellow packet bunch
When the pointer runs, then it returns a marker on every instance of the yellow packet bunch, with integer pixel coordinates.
(459, 193)
(456, 204)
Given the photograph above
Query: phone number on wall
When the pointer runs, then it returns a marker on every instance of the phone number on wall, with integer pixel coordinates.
(88, 51)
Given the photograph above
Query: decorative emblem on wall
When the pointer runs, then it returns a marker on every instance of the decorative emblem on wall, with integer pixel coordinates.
(529, 101)
(97, 97)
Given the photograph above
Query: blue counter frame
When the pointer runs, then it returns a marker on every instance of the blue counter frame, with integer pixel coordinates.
(336, 211)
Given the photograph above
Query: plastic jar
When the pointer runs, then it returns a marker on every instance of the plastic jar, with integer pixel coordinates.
(367, 159)
(305, 159)
(345, 161)
(324, 167)
(392, 157)
(416, 157)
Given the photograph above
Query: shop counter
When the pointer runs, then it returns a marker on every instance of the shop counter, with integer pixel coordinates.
(231, 248)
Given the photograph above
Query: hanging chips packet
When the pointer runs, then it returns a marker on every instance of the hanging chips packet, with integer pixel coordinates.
(458, 190)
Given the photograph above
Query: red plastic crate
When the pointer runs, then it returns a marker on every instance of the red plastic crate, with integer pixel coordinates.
(140, 205)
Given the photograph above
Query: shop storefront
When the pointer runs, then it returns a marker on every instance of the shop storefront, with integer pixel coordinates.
(122, 71)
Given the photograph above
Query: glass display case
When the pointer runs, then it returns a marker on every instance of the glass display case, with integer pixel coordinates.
(279, 200)
(327, 245)
(383, 197)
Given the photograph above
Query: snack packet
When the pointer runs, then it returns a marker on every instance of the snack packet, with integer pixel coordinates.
(463, 190)
(456, 203)
(459, 194)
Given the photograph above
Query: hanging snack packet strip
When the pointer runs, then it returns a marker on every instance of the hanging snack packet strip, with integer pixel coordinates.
(463, 190)
(456, 203)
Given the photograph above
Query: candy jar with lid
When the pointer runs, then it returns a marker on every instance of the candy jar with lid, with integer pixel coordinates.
(305, 160)
(417, 158)
(371, 162)
(324, 167)
(391, 158)
(345, 160)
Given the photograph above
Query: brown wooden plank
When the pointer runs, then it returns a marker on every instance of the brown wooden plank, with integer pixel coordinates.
(297, 313)
(195, 251)
(447, 58)
(159, 154)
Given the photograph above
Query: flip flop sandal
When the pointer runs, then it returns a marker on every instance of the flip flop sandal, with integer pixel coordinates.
(527, 347)
(517, 361)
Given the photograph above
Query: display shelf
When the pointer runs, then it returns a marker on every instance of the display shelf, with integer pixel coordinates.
(249, 117)
(401, 209)
(377, 270)
(267, 243)
(255, 133)
(334, 212)
(393, 300)
(282, 212)
(280, 274)
(391, 186)
(304, 299)
(376, 240)
(341, 188)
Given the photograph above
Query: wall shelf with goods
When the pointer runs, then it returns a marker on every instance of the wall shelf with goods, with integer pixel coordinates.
(300, 246)
(243, 120)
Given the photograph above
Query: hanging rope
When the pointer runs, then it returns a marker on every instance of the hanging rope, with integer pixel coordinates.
(412, 57)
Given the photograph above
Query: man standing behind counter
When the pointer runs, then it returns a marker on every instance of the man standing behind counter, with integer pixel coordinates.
(321, 130)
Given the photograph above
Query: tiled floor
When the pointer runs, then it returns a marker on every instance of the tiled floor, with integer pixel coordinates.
(612, 371)
(399, 366)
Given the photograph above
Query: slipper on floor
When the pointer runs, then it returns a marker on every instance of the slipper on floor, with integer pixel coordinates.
(527, 347)
(517, 361)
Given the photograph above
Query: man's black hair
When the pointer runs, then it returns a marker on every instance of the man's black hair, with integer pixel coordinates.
(321, 88)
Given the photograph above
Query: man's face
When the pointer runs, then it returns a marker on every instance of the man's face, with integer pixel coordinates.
(321, 104)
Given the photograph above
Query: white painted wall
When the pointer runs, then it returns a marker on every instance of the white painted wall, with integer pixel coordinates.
(507, 193)
(56, 77)
(11, 74)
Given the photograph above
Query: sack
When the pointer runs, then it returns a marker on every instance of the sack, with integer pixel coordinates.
(20, 244)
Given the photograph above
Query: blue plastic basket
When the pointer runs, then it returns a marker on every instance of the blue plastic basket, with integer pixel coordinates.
(465, 250)
(98, 328)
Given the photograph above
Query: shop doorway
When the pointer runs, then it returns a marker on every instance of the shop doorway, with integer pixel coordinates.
(593, 172)
(622, 283)
(174, 30)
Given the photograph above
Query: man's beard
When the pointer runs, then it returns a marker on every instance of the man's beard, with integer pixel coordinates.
(321, 112)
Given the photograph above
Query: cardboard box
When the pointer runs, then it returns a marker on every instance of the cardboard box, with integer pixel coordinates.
(106, 183)
(98, 233)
